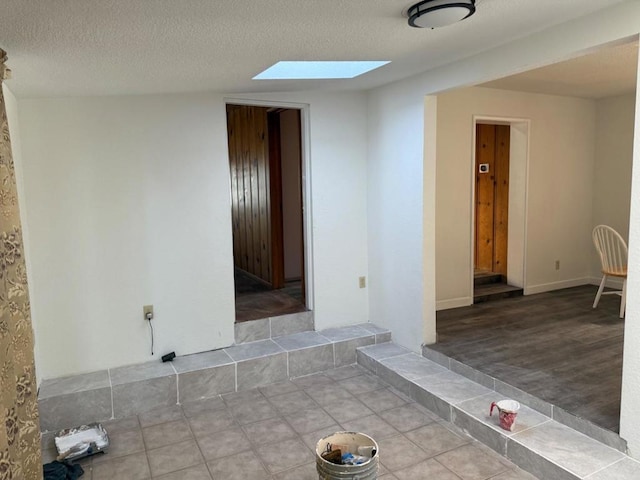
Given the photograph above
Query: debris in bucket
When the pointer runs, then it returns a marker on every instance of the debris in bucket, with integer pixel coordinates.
(368, 451)
(334, 454)
(351, 459)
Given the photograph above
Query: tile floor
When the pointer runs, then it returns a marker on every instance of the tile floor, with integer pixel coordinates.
(270, 433)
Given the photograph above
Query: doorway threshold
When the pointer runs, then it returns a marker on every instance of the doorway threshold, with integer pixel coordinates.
(489, 286)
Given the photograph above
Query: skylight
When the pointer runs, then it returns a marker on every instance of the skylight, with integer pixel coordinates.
(303, 70)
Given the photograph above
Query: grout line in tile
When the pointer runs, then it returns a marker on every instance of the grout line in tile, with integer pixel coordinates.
(194, 438)
(334, 355)
(177, 389)
(148, 461)
(550, 460)
(144, 444)
(177, 384)
(578, 433)
(227, 354)
(206, 465)
(270, 330)
(235, 364)
(603, 468)
(113, 409)
(447, 468)
(529, 428)
(466, 400)
(391, 356)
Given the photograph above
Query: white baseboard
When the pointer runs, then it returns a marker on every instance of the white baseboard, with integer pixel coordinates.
(548, 287)
(612, 282)
(532, 290)
(454, 303)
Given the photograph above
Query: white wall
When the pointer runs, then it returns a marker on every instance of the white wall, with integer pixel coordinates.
(128, 204)
(614, 156)
(629, 415)
(560, 171)
(399, 290)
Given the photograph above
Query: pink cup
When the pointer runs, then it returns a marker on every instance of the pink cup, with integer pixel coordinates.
(507, 410)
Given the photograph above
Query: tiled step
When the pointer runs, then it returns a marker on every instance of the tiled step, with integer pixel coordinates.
(272, 327)
(495, 291)
(603, 435)
(538, 444)
(484, 278)
(125, 391)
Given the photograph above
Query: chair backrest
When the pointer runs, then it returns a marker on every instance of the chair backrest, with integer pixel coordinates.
(612, 250)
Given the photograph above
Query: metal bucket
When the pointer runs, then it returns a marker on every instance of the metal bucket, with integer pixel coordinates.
(352, 440)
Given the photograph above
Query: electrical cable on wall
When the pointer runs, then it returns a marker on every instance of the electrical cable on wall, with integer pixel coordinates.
(151, 327)
(148, 316)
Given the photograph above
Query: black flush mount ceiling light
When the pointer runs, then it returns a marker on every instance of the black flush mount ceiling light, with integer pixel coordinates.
(439, 13)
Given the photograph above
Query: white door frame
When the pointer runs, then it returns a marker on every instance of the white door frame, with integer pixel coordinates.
(305, 172)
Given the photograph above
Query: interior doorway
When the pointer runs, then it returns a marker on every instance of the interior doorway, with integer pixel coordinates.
(265, 160)
(499, 208)
(492, 198)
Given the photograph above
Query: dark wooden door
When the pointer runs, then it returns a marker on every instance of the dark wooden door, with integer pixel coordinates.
(247, 128)
(275, 189)
(492, 197)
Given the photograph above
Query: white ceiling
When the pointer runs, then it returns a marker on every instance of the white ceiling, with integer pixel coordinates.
(605, 73)
(103, 47)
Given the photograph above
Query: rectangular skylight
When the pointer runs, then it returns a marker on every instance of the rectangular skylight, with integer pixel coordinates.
(303, 70)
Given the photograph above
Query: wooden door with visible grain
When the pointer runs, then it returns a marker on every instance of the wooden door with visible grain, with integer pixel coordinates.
(250, 189)
(492, 197)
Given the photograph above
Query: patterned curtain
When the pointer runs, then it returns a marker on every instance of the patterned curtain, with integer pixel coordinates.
(19, 426)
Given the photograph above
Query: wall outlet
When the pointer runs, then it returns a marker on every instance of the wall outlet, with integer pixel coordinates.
(557, 264)
(147, 311)
(362, 281)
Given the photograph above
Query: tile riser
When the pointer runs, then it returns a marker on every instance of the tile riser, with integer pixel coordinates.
(188, 379)
(273, 327)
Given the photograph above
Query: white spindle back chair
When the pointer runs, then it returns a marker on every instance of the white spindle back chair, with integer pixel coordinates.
(613, 256)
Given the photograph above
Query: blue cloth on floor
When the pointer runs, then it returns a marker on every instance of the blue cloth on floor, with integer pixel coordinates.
(62, 471)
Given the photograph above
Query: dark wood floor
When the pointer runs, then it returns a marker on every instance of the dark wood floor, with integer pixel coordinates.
(552, 345)
(255, 300)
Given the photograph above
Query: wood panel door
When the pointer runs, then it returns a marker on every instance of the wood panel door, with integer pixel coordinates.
(247, 129)
(275, 192)
(492, 197)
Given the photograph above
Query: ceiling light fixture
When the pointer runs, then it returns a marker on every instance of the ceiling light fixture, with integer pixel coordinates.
(440, 13)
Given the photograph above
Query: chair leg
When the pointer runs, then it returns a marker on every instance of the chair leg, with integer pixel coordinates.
(599, 294)
(623, 298)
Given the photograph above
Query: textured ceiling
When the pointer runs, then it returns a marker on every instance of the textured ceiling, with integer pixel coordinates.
(605, 73)
(103, 47)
